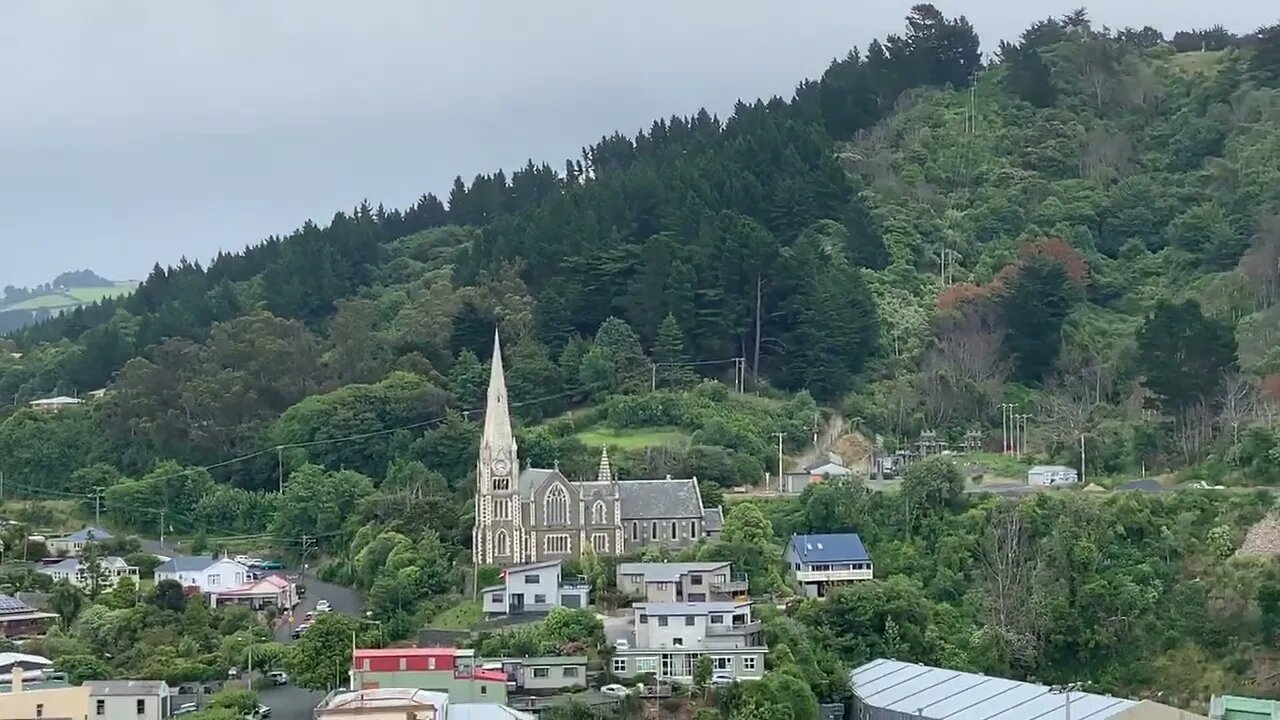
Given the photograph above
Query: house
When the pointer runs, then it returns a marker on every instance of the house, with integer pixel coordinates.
(32, 667)
(681, 581)
(18, 619)
(54, 404)
(450, 671)
(892, 690)
(815, 562)
(548, 674)
(714, 520)
(207, 574)
(669, 638)
(528, 515)
(23, 699)
(268, 591)
(402, 703)
(831, 465)
(1236, 707)
(535, 588)
(81, 573)
(74, 543)
(130, 699)
(1046, 475)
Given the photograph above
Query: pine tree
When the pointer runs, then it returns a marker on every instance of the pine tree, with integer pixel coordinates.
(468, 380)
(669, 353)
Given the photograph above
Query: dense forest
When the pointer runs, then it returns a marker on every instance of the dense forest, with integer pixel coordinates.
(1085, 224)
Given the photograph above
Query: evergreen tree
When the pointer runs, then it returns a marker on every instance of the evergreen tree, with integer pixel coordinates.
(673, 371)
(1034, 306)
(1183, 355)
(616, 363)
(468, 380)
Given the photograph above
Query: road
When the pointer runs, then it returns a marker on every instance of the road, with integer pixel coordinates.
(289, 702)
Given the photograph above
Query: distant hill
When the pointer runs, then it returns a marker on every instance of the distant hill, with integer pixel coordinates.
(20, 306)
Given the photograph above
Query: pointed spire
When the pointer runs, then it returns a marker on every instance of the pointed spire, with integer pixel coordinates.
(497, 418)
(606, 472)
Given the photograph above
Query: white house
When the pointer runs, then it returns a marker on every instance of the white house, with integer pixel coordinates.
(74, 543)
(79, 573)
(54, 404)
(1045, 475)
(816, 562)
(535, 588)
(670, 638)
(681, 581)
(209, 574)
(129, 699)
(826, 467)
(270, 591)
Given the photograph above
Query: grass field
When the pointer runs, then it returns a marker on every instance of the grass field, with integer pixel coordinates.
(73, 297)
(458, 617)
(632, 439)
(1197, 62)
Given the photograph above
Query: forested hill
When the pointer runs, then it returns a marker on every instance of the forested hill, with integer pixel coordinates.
(915, 234)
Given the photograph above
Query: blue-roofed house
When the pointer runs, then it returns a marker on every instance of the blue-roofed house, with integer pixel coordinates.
(816, 562)
(74, 543)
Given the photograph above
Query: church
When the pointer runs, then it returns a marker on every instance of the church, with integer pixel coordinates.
(526, 514)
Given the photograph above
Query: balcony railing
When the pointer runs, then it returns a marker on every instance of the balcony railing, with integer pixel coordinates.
(736, 583)
(833, 575)
(575, 582)
(739, 629)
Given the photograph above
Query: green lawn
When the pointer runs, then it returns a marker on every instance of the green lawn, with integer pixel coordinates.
(635, 438)
(458, 617)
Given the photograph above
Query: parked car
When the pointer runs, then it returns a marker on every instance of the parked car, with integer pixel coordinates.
(243, 560)
(233, 673)
(186, 709)
(300, 631)
(323, 606)
(621, 644)
(614, 690)
(311, 615)
(721, 679)
(302, 590)
(278, 677)
(270, 564)
(264, 711)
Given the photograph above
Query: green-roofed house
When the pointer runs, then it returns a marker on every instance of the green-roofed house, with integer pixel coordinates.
(1236, 707)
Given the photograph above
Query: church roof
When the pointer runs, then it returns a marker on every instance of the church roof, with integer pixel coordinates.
(497, 415)
(660, 499)
(531, 478)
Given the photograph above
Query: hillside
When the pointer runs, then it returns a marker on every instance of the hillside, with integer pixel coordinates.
(1083, 231)
(20, 307)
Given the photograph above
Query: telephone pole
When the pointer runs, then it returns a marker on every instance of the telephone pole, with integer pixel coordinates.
(98, 490)
(280, 467)
(782, 487)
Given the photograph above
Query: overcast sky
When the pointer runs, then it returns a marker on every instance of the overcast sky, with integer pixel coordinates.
(136, 132)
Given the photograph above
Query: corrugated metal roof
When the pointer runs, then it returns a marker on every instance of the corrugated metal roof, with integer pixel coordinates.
(829, 548)
(938, 694)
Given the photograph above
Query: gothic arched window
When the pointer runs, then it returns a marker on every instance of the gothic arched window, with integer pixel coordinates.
(501, 544)
(557, 506)
(598, 513)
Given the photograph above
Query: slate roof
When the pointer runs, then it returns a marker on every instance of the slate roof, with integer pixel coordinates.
(713, 519)
(668, 572)
(82, 535)
(931, 693)
(829, 548)
(660, 499)
(691, 608)
(531, 478)
(187, 563)
(100, 688)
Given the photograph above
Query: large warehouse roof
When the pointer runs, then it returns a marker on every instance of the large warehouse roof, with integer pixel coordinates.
(929, 693)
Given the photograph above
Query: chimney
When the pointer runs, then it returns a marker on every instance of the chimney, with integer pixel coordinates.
(17, 678)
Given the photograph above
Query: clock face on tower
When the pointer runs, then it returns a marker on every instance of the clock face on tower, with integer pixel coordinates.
(500, 467)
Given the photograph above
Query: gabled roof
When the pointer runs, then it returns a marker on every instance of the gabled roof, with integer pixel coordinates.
(83, 535)
(930, 693)
(829, 548)
(660, 499)
(531, 478)
(188, 563)
(713, 519)
(530, 566)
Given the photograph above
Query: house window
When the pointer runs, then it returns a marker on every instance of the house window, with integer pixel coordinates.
(749, 662)
(497, 598)
(484, 690)
(688, 621)
(619, 666)
(533, 579)
(557, 506)
(571, 672)
(502, 509)
(431, 663)
(695, 579)
(501, 543)
(662, 621)
(142, 706)
(541, 672)
(664, 586)
(644, 619)
(677, 642)
(721, 663)
(39, 710)
(539, 599)
(600, 542)
(673, 529)
(653, 530)
(647, 665)
(502, 483)
(717, 619)
(556, 543)
(598, 513)
(693, 528)
(214, 580)
(720, 578)
(100, 708)
(635, 530)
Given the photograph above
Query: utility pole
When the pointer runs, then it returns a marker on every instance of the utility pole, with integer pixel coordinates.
(653, 376)
(162, 528)
(1005, 409)
(1, 486)
(97, 505)
(781, 478)
(1082, 460)
(1022, 434)
(308, 545)
(280, 467)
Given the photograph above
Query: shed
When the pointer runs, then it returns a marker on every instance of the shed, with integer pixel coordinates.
(1047, 475)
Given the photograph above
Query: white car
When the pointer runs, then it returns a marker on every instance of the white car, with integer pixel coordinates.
(243, 559)
(614, 690)
(323, 606)
(721, 679)
(621, 644)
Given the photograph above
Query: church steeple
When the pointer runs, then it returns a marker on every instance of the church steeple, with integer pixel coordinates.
(606, 471)
(497, 417)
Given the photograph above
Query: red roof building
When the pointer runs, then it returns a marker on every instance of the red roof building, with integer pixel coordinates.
(447, 670)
